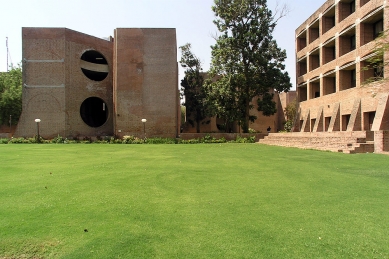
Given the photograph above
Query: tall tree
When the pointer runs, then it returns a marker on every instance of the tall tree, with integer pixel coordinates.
(11, 95)
(246, 60)
(192, 87)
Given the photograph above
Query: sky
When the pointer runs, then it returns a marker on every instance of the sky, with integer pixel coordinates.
(193, 20)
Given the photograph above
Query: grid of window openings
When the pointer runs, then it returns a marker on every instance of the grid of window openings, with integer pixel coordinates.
(334, 46)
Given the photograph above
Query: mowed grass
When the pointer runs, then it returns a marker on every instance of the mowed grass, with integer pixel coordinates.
(191, 201)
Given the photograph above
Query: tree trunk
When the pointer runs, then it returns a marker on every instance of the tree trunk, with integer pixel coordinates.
(198, 126)
(245, 123)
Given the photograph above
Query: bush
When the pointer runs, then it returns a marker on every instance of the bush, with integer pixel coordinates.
(288, 126)
(4, 141)
(161, 141)
(239, 139)
(58, 140)
(125, 140)
(133, 140)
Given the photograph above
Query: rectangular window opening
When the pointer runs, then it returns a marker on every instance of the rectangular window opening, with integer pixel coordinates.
(378, 27)
(327, 121)
(345, 121)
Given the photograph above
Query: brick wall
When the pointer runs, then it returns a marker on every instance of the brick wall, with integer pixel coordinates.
(54, 85)
(146, 82)
(64, 69)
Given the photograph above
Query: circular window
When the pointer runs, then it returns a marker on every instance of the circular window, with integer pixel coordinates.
(94, 112)
(94, 65)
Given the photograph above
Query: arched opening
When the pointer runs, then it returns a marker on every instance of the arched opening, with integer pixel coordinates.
(94, 112)
(94, 65)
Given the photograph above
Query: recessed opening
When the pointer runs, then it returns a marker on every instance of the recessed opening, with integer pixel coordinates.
(314, 60)
(346, 8)
(371, 26)
(329, 51)
(314, 31)
(373, 69)
(302, 40)
(363, 2)
(368, 120)
(329, 83)
(94, 65)
(347, 41)
(314, 88)
(302, 93)
(328, 20)
(313, 121)
(302, 66)
(94, 112)
(345, 121)
(348, 78)
(327, 121)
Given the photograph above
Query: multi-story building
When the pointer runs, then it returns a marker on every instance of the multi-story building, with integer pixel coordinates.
(336, 102)
(82, 86)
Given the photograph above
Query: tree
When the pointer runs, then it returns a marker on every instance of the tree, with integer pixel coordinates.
(246, 60)
(192, 87)
(11, 95)
(377, 63)
(290, 112)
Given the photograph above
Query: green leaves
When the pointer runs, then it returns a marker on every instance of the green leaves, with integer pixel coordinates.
(192, 87)
(246, 61)
(11, 95)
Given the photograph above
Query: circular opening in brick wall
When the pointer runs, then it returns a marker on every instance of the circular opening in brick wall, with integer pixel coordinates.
(94, 112)
(94, 65)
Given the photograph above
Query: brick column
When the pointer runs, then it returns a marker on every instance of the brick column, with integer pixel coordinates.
(378, 141)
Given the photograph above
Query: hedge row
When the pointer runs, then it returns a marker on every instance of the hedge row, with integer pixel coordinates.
(124, 140)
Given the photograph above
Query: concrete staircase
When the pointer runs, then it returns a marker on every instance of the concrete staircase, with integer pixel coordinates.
(343, 141)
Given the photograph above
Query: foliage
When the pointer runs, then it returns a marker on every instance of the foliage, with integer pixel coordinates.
(290, 112)
(126, 140)
(239, 139)
(192, 87)
(133, 140)
(11, 95)
(246, 60)
(254, 131)
(377, 63)
(288, 126)
(161, 141)
(4, 141)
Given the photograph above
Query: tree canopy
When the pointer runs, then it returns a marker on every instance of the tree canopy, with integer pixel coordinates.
(247, 65)
(192, 87)
(11, 95)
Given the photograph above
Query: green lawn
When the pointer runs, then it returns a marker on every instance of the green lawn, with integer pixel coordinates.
(191, 201)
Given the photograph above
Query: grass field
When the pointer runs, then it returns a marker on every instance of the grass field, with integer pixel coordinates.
(191, 201)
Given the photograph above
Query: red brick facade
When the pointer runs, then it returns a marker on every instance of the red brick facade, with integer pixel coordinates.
(80, 85)
(333, 48)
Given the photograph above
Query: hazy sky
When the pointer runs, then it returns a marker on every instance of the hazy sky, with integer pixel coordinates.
(192, 19)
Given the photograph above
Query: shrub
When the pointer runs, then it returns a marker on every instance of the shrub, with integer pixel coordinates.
(133, 140)
(161, 141)
(58, 140)
(239, 139)
(4, 141)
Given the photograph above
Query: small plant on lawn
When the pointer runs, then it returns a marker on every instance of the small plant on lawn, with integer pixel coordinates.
(59, 139)
(239, 139)
(132, 140)
(161, 141)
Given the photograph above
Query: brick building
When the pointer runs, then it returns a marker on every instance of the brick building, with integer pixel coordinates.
(80, 85)
(276, 121)
(338, 109)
